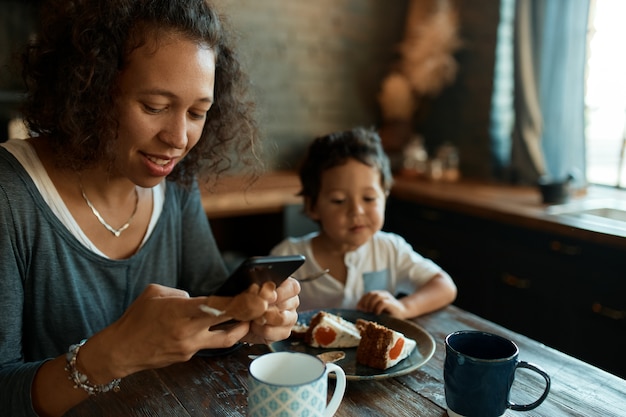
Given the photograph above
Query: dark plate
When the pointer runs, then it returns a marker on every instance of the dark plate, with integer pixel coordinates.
(424, 351)
(209, 353)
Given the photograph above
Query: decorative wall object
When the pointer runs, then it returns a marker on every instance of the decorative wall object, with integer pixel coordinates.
(425, 66)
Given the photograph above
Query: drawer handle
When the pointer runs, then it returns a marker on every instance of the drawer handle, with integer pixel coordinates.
(608, 312)
(431, 215)
(571, 250)
(515, 282)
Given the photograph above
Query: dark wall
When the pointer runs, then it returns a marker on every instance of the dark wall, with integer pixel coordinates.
(17, 20)
(460, 115)
(317, 66)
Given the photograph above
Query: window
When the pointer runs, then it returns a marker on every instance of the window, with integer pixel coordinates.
(605, 96)
(605, 93)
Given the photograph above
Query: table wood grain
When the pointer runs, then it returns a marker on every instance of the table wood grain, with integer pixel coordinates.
(217, 386)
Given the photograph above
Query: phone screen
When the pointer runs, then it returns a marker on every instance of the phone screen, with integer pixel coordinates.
(258, 270)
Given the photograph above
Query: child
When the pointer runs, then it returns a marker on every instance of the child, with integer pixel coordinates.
(346, 179)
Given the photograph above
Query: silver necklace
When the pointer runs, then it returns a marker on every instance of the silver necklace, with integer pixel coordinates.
(116, 232)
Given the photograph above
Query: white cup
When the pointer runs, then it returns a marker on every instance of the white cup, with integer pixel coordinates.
(293, 384)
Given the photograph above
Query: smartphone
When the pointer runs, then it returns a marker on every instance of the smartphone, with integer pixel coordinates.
(258, 270)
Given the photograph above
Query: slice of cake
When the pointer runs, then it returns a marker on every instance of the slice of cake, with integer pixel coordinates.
(381, 347)
(298, 331)
(327, 330)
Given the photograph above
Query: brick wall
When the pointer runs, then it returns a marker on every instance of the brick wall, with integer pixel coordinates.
(317, 67)
(16, 25)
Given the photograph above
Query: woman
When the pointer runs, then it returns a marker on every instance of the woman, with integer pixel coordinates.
(102, 232)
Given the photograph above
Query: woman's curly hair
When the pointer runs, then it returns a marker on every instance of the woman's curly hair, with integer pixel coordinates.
(71, 68)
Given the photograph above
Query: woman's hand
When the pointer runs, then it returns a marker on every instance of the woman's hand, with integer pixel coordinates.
(251, 304)
(165, 326)
(162, 326)
(280, 317)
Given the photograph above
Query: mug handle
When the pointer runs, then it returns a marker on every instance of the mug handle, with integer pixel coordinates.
(544, 374)
(340, 388)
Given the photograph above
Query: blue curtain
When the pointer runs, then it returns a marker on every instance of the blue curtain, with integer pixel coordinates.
(502, 115)
(562, 85)
(548, 137)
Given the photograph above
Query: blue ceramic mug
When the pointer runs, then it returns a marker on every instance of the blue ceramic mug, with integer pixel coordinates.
(478, 374)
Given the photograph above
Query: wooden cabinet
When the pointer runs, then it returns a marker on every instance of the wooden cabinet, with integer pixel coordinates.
(566, 293)
(450, 241)
(251, 234)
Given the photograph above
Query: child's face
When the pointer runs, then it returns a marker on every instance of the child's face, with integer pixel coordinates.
(351, 204)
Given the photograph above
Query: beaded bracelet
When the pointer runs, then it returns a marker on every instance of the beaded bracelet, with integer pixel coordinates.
(80, 380)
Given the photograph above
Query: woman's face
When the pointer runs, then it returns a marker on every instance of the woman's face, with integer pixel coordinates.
(165, 93)
(351, 204)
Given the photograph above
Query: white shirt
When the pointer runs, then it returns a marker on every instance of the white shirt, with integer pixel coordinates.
(385, 262)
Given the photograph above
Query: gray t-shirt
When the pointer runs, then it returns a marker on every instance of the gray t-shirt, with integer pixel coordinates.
(55, 292)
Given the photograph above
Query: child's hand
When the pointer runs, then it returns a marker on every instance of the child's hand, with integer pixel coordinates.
(380, 301)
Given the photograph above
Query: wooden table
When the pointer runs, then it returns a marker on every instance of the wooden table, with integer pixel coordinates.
(217, 386)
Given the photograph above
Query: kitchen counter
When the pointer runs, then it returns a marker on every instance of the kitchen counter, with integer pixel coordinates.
(516, 205)
(519, 206)
(238, 196)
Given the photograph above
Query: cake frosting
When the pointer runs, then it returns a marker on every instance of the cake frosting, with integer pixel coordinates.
(327, 330)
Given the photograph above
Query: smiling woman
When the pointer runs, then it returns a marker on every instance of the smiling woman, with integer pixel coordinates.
(106, 254)
(159, 98)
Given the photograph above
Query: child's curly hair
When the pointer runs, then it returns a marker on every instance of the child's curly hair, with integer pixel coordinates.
(71, 68)
(326, 152)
